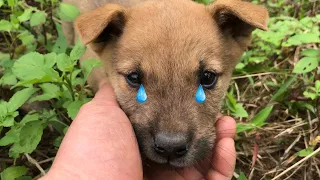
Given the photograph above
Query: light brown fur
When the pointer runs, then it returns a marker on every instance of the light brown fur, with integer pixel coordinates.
(168, 40)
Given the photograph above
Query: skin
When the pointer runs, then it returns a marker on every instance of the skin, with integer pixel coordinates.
(100, 144)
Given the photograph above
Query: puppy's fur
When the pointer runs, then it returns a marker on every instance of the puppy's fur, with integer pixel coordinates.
(170, 42)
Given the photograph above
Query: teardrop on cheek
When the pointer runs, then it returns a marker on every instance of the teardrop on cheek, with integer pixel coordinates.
(200, 95)
(141, 95)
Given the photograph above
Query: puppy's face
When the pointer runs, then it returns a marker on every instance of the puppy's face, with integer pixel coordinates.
(171, 48)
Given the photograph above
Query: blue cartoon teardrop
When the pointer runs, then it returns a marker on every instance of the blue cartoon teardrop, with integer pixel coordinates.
(141, 95)
(200, 95)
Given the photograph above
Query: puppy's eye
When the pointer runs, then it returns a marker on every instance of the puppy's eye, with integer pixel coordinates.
(133, 79)
(208, 79)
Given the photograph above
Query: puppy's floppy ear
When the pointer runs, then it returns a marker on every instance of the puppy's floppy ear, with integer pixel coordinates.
(238, 18)
(101, 24)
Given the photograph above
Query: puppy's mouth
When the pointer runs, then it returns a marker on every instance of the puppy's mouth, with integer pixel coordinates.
(167, 163)
(171, 149)
(176, 157)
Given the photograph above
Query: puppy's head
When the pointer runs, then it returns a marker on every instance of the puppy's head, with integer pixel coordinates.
(171, 47)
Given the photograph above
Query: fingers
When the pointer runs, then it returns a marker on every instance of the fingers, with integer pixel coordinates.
(224, 160)
(105, 95)
(225, 127)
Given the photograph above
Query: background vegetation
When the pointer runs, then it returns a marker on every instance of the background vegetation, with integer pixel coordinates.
(274, 94)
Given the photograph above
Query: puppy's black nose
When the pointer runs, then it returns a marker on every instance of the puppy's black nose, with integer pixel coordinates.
(170, 145)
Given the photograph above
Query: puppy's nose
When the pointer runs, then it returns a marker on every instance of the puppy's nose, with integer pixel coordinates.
(170, 145)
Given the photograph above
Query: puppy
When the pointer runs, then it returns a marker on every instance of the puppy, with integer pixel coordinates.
(171, 48)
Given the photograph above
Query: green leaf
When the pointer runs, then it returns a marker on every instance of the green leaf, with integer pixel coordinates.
(11, 3)
(8, 78)
(3, 110)
(305, 65)
(299, 39)
(231, 103)
(5, 26)
(235, 108)
(317, 86)
(283, 88)
(311, 53)
(75, 73)
(68, 12)
(240, 66)
(7, 122)
(24, 178)
(11, 136)
(242, 176)
(50, 60)
(32, 67)
(77, 51)
(26, 38)
(50, 91)
(58, 125)
(74, 107)
(88, 66)
(240, 111)
(30, 136)
(204, 1)
(29, 118)
(259, 119)
(305, 152)
(64, 62)
(38, 18)
(26, 15)
(19, 98)
(310, 95)
(61, 44)
(1, 3)
(13, 172)
(244, 127)
(57, 142)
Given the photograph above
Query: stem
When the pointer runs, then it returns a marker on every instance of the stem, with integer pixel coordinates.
(45, 34)
(7, 42)
(317, 77)
(68, 84)
(81, 92)
(13, 44)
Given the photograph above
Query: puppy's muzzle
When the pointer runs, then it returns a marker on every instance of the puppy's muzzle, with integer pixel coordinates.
(171, 145)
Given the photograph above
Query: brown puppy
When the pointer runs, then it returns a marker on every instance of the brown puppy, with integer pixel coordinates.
(170, 47)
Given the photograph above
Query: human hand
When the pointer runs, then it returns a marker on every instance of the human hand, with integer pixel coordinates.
(100, 144)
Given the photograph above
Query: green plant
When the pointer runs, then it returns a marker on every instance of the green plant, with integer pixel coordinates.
(53, 78)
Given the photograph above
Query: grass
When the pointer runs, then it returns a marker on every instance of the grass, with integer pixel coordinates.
(274, 92)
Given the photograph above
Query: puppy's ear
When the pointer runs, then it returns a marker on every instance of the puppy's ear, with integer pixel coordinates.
(102, 24)
(238, 19)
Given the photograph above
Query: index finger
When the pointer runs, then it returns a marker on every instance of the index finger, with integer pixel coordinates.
(105, 95)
